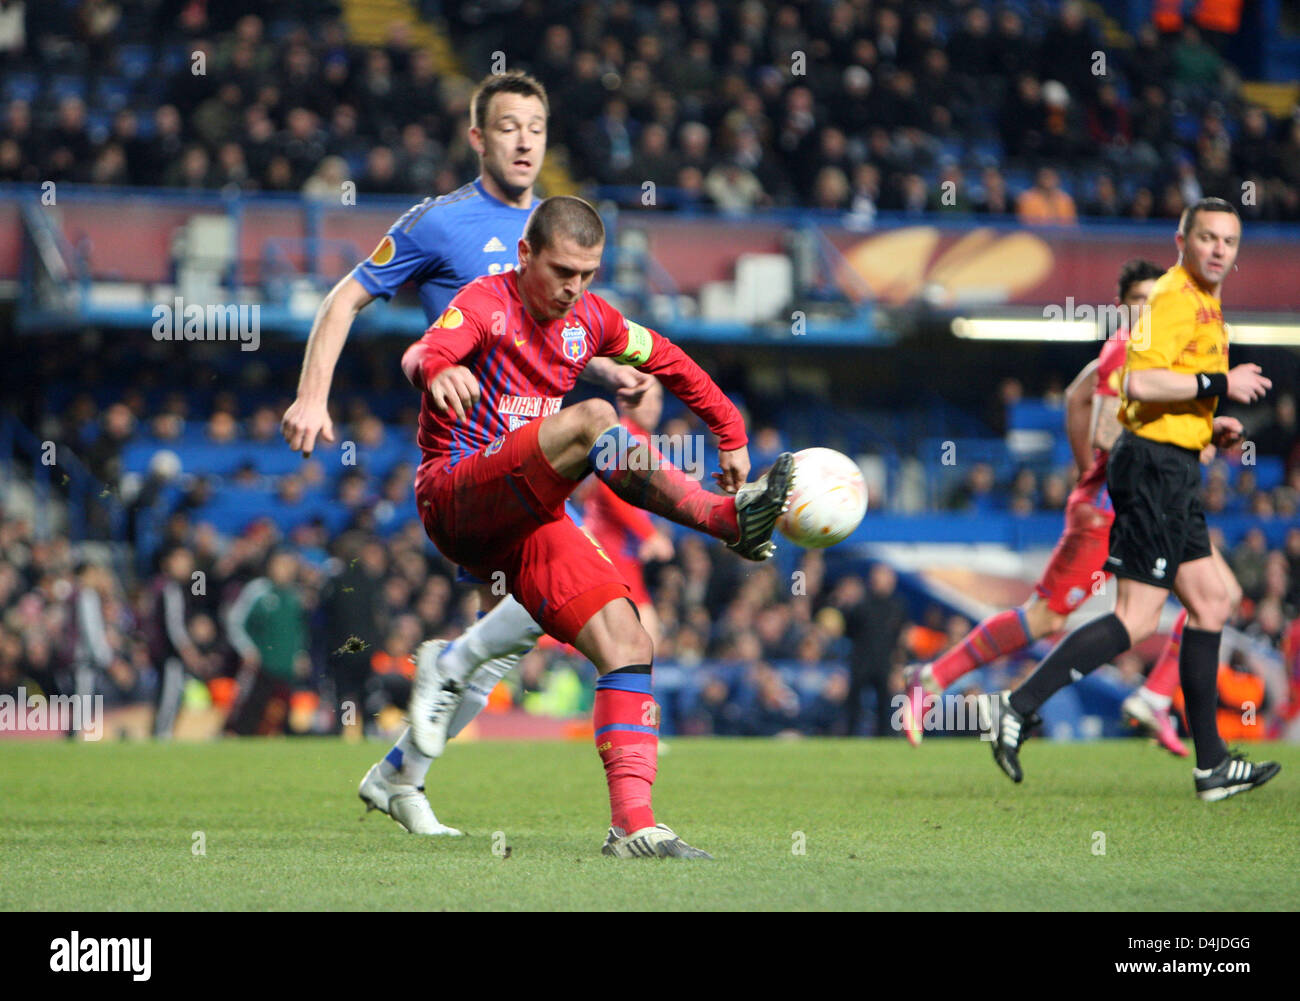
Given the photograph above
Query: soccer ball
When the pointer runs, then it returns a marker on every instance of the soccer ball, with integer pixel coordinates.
(828, 500)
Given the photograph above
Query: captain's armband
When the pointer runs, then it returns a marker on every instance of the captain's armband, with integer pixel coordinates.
(639, 345)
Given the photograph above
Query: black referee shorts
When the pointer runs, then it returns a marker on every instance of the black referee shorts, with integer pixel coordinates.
(1159, 522)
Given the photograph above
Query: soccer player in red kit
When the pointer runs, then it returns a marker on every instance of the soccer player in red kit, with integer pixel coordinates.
(501, 455)
(1077, 564)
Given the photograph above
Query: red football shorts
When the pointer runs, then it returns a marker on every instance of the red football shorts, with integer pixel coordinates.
(630, 569)
(1078, 562)
(501, 511)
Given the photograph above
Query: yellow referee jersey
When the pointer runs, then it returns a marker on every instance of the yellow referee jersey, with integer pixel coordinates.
(1181, 330)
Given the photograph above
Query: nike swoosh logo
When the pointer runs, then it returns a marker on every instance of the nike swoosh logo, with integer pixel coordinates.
(520, 344)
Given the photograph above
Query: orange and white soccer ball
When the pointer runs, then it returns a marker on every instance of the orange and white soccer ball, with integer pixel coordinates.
(828, 501)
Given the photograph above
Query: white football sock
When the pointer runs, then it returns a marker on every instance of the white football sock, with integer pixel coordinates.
(471, 704)
(506, 629)
(480, 686)
(488, 650)
(1158, 702)
(404, 763)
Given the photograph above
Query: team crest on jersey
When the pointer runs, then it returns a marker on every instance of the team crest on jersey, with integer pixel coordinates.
(575, 343)
(450, 319)
(1075, 595)
(495, 447)
(384, 252)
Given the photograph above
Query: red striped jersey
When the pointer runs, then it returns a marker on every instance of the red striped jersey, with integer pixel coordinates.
(525, 368)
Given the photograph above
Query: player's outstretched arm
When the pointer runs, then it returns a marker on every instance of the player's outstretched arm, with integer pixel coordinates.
(308, 415)
(1245, 384)
(735, 468)
(1078, 415)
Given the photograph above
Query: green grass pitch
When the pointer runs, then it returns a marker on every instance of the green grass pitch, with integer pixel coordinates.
(1112, 826)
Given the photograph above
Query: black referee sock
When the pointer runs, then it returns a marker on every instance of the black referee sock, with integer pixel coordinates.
(1080, 653)
(1198, 670)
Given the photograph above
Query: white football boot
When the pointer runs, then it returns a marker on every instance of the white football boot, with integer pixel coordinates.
(406, 804)
(434, 700)
(649, 842)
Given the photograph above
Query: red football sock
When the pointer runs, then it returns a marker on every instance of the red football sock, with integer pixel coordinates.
(637, 472)
(997, 636)
(1163, 679)
(626, 720)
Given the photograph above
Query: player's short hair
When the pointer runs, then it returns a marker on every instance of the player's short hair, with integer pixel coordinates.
(513, 82)
(1188, 220)
(1134, 271)
(567, 216)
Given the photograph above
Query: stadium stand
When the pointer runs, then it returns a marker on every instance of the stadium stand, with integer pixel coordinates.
(845, 110)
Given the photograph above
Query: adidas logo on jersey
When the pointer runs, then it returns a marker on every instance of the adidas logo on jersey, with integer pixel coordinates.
(494, 246)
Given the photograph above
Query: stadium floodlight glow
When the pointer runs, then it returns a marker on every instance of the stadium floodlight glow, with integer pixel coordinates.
(1276, 334)
(1007, 328)
(1004, 328)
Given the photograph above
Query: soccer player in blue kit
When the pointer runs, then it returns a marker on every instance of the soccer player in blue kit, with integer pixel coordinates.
(442, 244)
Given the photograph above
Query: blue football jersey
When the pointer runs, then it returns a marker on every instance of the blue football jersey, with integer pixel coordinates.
(442, 244)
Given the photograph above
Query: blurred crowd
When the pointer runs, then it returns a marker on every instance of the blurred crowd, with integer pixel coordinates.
(853, 106)
(286, 642)
(1232, 484)
(285, 624)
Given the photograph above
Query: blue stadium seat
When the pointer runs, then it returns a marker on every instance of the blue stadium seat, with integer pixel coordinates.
(135, 62)
(356, 164)
(112, 93)
(984, 153)
(1035, 415)
(1186, 127)
(237, 507)
(64, 86)
(98, 125)
(203, 458)
(21, 87)
(1062, 454)
(951, 149)
(1270, 471)
(174, 59)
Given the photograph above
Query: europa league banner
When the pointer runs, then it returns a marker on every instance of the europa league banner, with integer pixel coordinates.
(969, 263)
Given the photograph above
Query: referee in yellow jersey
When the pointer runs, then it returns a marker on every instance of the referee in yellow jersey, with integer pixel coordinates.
(1175, 371)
